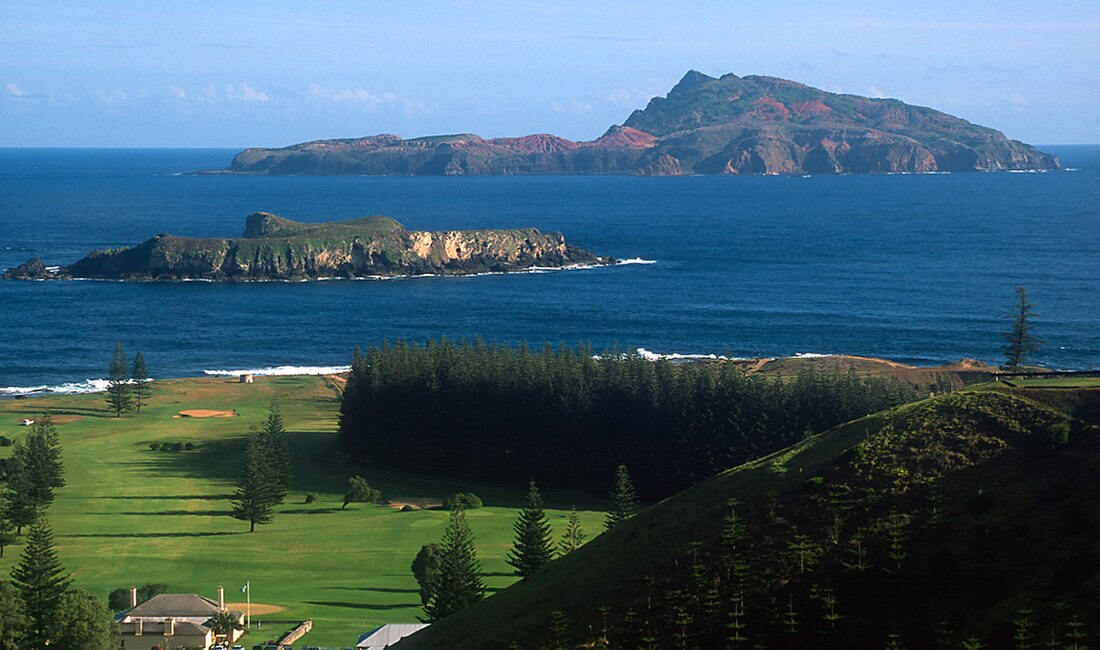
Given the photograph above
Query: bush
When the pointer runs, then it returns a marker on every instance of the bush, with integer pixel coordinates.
(188, 446)
(311, 497)
(154, 446)
(463, 500)
(407, 508)
(5, 441)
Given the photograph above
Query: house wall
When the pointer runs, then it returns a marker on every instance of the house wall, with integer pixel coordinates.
(174, 642)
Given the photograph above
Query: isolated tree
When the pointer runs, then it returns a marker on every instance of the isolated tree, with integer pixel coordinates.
(426, 568)
(574, 534)
(14, 622)
(1021, 343)
(359, 491)
(41, 582)
(459, 582)
(35, 470)
(82, 621)
(533, 548)
(120, 396)
(139, 377)
(255, 497)
(624, 501)
(276, 452)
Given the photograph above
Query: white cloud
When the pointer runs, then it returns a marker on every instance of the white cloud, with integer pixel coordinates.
(873, 91)
(353, 95)
(15, 91)
(177, 92)
(245, 93)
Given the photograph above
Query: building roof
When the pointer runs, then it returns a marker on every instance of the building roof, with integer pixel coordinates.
(156, 628)
(176, 605)
(388, 635)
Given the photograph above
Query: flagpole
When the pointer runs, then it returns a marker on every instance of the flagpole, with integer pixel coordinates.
(248, 606)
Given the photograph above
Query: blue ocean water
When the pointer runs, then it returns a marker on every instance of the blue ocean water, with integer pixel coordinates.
(917, 268)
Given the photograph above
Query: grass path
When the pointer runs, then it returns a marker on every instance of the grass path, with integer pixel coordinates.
(130, 515)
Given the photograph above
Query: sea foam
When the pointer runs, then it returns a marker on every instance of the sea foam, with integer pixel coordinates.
(273, 371)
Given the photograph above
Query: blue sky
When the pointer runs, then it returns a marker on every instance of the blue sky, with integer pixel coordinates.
(237, 74)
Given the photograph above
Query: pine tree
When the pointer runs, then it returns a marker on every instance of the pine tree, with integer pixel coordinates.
(459, 584)
(893, 642)
(1024, 635)
(857, 553)
(1020, 342)
(41, 582)
(7, 530)
(275, 452)
(140, 381)
(972, 643)
(558, 627)
(898, 535)
(426, 568)
(533, 548)
(1075, 635)
(36, 470)
(255, 498)
(574, 534)
(805, 552)
(119, 391)
(624, 502)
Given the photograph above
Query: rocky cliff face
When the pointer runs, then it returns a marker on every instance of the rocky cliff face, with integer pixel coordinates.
(730, 125)
(279, 249)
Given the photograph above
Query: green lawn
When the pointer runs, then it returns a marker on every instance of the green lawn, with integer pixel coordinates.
(130, 515)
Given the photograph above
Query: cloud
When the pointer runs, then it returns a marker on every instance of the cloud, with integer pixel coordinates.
(245, 93)
(873, 91)
(16, 91)
(177, 92)
(351, 95)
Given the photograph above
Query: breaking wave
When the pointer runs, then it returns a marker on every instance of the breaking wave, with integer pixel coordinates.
(71, 388)
(279, 371)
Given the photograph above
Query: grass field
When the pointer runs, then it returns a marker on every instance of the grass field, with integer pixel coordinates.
(130, 515)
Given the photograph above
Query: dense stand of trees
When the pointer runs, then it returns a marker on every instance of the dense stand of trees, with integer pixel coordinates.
(509, 413)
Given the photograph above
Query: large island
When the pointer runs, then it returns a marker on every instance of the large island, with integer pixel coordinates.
(705, 125)
(273, 248)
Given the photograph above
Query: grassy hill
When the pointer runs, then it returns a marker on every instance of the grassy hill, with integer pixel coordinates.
(130, 515)
(968, 508)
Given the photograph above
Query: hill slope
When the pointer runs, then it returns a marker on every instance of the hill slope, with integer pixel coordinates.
(729, 125)
(961, 510)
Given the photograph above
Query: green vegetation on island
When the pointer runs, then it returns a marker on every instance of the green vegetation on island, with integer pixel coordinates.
(273, 248)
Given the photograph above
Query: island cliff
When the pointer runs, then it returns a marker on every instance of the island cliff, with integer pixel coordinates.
(728, 125)
(273, 248)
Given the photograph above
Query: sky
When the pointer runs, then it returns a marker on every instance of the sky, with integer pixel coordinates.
(198, 73)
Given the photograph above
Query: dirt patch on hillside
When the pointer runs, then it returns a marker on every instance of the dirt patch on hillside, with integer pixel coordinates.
(959, 373)
(258, 609)
(204, 413)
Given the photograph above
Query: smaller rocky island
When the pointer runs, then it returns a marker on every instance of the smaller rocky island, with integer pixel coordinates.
(273, 249)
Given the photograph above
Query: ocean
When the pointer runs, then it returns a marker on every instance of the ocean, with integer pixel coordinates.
(916, 268)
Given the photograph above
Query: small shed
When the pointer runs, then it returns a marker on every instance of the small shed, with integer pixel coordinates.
(388, 635)
(247, 378)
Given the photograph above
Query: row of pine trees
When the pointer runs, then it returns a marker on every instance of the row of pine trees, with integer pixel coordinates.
(474, 410)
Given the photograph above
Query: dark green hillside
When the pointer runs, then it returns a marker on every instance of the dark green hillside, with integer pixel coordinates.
(937, 522)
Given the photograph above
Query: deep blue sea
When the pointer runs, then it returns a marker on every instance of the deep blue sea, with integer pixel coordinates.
(917, 268)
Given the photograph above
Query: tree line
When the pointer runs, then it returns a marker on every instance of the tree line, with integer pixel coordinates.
(478, 410)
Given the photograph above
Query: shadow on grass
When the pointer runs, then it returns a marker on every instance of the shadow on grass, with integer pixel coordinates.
(306, 511)
(149, 535)
(381, 590)
(373, 606)
(83, 412)
(173, 497)
(174, 513)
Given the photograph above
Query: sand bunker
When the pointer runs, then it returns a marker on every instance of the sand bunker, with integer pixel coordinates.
(416, 503)
(258, 609)
(204, 413)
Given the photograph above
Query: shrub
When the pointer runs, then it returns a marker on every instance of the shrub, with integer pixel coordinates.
(463, 500)
(5, 441)
(154, 446)
(311, 497)
(407, 508)
(188, 446)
